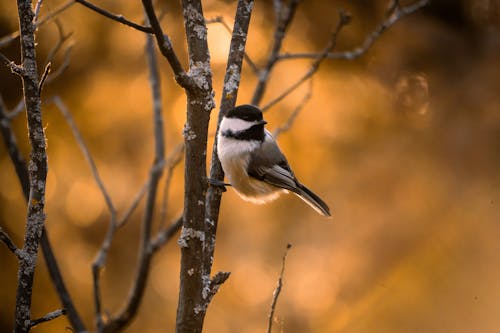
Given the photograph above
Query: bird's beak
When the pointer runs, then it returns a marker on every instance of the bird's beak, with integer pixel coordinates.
(261, 122)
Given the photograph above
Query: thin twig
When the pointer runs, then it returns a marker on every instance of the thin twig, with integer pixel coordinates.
(14, 68)
(4, 237)
(6, 40)
(114, 17)
(277, 291)
(86, 153)
(291, 119)
(283, 20)
(344, 19)
(46, 72)
(65, 64)
(164, 235)
(173, 161)
(61, 40)
(49, 316)
(38, 6)
(135, 202)
(17, 110)
(100, 259)
(393, 15)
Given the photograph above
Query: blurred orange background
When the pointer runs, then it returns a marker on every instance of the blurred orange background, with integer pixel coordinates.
(403, 143)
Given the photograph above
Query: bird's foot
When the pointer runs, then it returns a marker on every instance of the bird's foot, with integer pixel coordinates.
(218, 183)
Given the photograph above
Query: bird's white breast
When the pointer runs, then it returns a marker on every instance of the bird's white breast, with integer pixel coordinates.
(234, 156)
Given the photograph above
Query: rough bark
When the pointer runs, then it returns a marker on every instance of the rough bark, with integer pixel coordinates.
(37, 168)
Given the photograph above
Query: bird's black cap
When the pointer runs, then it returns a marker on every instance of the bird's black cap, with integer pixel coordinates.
(246, 112)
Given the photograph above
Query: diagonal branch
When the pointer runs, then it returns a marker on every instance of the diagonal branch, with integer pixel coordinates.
(48, 317)
(114, 17)
(344, 19)
(284, 18)
(5, 238)
(291, 119)
(393, 15)
(165, 45)
(100, 259)
(86, 153)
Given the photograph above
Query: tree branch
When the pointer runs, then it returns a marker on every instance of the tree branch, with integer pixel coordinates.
(277, 291)
(48, 317)
(165, 45)
(4, 237)
(37, 169)
(142, 272)
(100, 259)
(228, 101)
(190, 311)
(246, 57)
(283, 20)
(393, 15)
(50, 260)
(291, 119)
(117, 18)
(6, 40)
(164, 235)
(344, 19)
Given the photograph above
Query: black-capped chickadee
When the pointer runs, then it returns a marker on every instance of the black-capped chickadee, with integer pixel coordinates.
(253, 162)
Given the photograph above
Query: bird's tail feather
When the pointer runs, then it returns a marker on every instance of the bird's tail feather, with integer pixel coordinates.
(313, 200)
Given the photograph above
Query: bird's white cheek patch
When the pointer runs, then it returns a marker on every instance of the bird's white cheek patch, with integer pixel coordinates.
(235, 124)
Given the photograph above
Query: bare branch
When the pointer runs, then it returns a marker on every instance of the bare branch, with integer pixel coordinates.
(14, 68)
(117, 18)
(164, 235)
(48, 317)
(50, 260)
(18, 109)
(58, 281)
(86, 153)
(173, 161)
(37, 169)
(4, 237)
(229, 95)
(220, 19)
(165, 45)
(283, 20)
(291, 119)
(65, 64)
(344, 19)
(6, 40)
(277, 291)
(100, 259)
(38, 6)
(13, 150)
(62, 39)
(393, 15)
(144, 261)
(46, 72)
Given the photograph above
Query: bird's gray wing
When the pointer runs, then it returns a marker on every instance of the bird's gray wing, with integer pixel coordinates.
(270, 165)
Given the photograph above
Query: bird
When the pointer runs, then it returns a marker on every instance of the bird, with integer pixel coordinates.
(253, 162)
